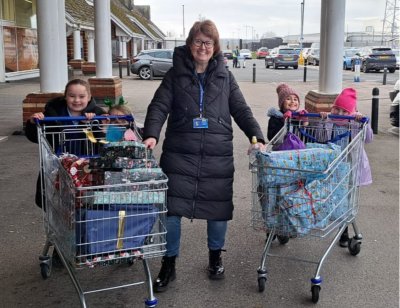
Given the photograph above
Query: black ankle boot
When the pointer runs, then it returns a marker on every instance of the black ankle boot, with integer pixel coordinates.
(215, 268)
(167, 274)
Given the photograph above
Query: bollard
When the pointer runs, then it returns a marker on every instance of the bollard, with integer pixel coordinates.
(120, 69)
(305, 72)
(128, 67)
(384, 75)
(375, 110)
(151, 70)
(357, 70)
(254, 72)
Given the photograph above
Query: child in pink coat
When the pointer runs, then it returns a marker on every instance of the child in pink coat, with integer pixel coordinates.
(346, 104)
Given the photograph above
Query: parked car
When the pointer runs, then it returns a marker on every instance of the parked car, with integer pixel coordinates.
(394, 106)
(246, 53)
(282, 56)
(226, 62)
(397, 54)
(375, 58)
(159, 60)
(305, 53)
(348, 54)
(227, 53)
(262, 52)
(313, 56)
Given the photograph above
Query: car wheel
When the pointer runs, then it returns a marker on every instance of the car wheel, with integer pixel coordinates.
(392, 70)
(344, 66)
(295, 67)
(144, 72)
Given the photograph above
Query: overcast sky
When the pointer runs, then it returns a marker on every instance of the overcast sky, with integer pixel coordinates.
(253, 18)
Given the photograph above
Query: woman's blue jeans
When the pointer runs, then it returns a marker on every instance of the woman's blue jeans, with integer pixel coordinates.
(216, 230)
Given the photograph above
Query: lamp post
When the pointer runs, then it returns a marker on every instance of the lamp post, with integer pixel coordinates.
(183, 19)
(302, 23)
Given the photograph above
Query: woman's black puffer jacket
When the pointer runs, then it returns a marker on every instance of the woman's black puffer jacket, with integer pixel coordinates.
(199, 162)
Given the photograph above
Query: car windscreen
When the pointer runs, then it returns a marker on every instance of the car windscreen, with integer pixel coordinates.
(382, 51)
(350, 52)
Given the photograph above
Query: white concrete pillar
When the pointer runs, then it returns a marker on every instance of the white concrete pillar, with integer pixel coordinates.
(134, 47)
(52, 77)
(63, 60)
(142, 44)
(90, 41)
(124, 41)
(331, 46)
(103, 49)
(77, 44)
(120, 42)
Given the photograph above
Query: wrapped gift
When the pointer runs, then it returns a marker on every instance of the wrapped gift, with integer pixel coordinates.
(340, 185)
(114, 229)
(305, 208)
(289, 166)
(127, 176)
(131, 197)
(131, 149)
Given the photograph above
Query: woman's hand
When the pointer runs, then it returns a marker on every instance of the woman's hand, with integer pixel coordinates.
(258, 147)
(36, 116)
(150, 143)
(358, 116)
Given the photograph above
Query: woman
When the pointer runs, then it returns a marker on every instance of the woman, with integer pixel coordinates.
(199, 96)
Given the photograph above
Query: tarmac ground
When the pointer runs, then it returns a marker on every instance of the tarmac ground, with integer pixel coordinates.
(368, 280)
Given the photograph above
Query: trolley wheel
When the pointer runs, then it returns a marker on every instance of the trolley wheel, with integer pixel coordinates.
(261, 284)
(315, 293)
(45, 270)
(283, 239)
(354, 247)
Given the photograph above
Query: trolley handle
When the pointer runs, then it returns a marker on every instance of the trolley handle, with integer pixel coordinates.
(83, 118)
(330, 116)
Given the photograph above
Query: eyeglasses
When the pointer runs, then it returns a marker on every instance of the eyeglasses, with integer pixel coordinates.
(207, 44)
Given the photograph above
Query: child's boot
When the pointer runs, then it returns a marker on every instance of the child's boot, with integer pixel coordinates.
(344, 238)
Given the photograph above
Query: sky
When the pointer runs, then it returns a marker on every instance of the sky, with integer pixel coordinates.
(249, 19)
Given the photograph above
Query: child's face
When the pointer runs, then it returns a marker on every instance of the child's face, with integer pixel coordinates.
(77, 98)
(339, 111)
(118, 121)
(291, 103)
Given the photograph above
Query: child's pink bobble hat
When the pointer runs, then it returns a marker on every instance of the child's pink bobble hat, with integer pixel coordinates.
(284, 91)
(347, 100)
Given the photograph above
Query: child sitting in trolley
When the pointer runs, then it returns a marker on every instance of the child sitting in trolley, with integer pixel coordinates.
(288, 101)
(121, 109)
(345, 104)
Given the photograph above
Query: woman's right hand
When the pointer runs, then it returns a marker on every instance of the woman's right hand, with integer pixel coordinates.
(150, 143)
(38, 116)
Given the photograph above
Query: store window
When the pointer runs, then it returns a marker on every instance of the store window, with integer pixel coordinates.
(7, 10)
(20, 35)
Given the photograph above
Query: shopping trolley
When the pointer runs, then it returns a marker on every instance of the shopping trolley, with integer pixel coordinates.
(311, 191)
(97, 213)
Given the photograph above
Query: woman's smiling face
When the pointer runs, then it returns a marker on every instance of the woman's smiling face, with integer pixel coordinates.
(202, 49)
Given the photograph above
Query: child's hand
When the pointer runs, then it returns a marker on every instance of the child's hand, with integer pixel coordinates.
(89, 115)
(287, 114)
(323, 114)
(38, 116)
(358, 116)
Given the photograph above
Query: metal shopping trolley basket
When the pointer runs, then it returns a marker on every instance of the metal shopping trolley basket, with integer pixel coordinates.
(311, 191)
(104, 202)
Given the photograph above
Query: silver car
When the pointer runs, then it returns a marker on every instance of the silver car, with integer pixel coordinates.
(152, 61)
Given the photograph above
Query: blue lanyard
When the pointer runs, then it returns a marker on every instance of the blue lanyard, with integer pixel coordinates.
(201, 104)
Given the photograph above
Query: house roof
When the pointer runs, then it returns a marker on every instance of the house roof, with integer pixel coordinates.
(80, 12)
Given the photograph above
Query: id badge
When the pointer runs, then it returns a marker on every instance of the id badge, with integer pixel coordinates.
(200, 123)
